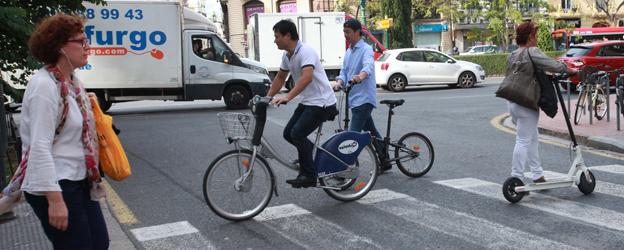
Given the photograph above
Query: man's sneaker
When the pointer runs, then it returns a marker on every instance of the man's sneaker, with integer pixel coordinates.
(302, 181)
(385, 168)
(6, 217)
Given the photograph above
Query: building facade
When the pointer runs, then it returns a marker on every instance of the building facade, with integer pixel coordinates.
(236, 13)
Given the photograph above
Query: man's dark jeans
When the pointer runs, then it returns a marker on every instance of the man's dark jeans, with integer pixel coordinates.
(303, 122)
(86, 226)
(363, 121)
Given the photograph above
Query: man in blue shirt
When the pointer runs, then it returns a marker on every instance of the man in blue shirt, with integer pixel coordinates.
(359, 66)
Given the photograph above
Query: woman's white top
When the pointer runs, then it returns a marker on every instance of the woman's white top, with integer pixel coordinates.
(51, 158)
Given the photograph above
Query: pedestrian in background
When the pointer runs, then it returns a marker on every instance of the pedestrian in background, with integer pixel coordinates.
(61, 180)
(526, 150)
(358, 66)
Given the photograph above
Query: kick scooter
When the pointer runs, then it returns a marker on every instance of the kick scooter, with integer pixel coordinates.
(578, 175)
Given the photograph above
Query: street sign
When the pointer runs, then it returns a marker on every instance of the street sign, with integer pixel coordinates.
(384, 24)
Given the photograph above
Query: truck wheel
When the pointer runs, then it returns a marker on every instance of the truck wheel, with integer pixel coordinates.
(104, 104)
(236, 96)
(290, 83)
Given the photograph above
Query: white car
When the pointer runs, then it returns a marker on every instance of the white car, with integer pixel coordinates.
(396, 69)
(480, 50)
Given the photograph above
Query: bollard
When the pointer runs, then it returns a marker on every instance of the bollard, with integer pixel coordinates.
(618, 111)
(608, 93)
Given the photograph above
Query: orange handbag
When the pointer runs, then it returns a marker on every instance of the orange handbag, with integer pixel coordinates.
(113, 160)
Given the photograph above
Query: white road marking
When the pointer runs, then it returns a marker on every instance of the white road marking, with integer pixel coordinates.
(564, 208)
(309, 231)
(614, 169)
(163, 231)
(380, 195)
(602, 187)
(283, 211)
(464, 226)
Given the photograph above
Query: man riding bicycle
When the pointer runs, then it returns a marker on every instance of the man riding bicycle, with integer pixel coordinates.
(359, 67)
(318, 101)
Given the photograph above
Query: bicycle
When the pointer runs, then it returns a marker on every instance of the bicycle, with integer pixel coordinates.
(592, 86)
(14, 140)
(345, 164)
(409, 147)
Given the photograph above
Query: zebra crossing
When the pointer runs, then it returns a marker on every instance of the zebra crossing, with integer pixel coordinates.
(417, 216)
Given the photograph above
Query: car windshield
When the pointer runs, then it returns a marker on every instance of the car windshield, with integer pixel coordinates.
(577, 51)
(383, 57)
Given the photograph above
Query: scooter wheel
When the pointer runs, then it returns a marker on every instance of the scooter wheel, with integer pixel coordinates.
(509, 189)
(585, 186)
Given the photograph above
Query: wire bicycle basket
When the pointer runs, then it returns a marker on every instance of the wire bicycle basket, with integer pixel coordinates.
(236, 126)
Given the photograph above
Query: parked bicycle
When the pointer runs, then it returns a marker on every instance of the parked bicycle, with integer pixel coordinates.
(14, 140)
(239, 183)
(592, 90)
(413, 152)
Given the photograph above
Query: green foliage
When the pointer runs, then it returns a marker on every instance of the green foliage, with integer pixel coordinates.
(496, 64)
(17, 21)
(347, 6)
(401, 13)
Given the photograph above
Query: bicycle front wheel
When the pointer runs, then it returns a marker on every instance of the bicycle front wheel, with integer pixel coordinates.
(353, 189)
(580, 107)
(415, 154)
(600, 103)
(232, 193)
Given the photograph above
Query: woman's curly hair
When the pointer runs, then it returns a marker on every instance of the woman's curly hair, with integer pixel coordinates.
(51, 34)
(524, 31)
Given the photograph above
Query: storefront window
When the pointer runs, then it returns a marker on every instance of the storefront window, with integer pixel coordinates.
(322, 5)
(252, 7)
(288, 6)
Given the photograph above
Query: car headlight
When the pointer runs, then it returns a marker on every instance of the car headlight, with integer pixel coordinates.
(257, 69)
(479, 68)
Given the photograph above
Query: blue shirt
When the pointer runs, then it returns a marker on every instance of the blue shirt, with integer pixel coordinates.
(360, 58)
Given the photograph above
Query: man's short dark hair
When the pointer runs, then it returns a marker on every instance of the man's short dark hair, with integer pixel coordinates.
(286, 26)
(353, 24)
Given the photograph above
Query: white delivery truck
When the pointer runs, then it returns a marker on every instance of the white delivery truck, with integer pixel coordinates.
(320, 30)
(156, 50)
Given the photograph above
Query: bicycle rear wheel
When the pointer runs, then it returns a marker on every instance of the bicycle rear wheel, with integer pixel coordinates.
(600, 104)
(230, 197)
(416, 153)
(580, 106)
(353, 189)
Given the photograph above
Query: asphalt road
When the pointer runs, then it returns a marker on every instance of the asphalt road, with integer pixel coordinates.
(458, 204)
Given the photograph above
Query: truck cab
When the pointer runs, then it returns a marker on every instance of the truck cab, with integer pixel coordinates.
(212, 70)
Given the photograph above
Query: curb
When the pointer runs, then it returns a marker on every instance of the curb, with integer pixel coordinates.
(597, 142)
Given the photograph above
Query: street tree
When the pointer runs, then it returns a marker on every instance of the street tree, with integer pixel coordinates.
(610, 8)
(401, 13)
(347, 6)
(17, 21)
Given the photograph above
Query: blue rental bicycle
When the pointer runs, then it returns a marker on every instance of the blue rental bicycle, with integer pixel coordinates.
(239, 183)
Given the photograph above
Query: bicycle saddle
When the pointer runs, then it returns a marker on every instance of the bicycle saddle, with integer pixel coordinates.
(393, 103)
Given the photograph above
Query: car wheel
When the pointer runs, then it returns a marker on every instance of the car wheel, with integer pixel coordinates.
(466, 80)
(397, 83)
(236, 96)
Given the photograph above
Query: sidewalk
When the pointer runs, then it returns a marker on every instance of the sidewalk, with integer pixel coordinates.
(601, 134)
(25, 232)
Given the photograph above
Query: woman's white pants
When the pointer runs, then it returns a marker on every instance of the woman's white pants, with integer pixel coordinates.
(526, 149)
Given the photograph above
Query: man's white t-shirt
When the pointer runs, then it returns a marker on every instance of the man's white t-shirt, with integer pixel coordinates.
(319, 92)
